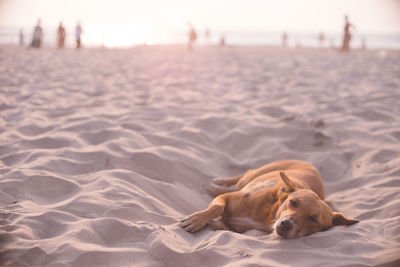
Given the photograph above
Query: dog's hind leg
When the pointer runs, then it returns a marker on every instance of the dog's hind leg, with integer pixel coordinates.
(216, 190)
(220, 186)
(229, 181)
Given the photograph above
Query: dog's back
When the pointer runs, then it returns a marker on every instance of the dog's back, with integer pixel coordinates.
(303, 174)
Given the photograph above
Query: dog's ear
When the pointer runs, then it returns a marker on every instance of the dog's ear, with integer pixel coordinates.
(339, 219)
(289, 185)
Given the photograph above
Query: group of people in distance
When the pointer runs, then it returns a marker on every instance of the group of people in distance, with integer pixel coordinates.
(61, 36)
(37, 37)
(192, 37)
(345, 46)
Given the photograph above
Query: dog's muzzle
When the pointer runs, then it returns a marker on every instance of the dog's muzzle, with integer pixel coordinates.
(284, 227)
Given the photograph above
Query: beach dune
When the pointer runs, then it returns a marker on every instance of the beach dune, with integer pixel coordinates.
(103, 152)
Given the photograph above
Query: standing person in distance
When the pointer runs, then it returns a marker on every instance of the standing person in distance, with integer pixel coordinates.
(78, 35)
(346, 35)
(60, 36)
(37, 35)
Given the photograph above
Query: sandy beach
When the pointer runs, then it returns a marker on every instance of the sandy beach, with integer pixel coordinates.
(103, 152)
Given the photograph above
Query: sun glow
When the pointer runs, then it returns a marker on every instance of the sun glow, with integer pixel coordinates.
(120, 35)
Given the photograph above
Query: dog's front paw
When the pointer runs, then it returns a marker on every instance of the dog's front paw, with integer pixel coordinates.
(194, 222)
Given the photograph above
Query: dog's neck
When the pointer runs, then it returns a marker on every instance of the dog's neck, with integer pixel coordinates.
(271, 201)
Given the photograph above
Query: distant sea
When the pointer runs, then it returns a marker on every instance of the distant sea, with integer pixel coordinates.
(91, 38)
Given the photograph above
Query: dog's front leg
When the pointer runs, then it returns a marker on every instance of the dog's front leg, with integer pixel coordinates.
(200, 219)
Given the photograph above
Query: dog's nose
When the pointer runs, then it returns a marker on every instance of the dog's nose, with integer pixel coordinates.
(286, 225)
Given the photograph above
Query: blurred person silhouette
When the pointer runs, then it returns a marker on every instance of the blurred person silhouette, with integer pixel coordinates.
(78, 35)
(207, 35)
(60, 36)
(192, 36)
(222, 41)
(321, 38)
(284, 39)
(21, 37)
(37, 35)
(346, 35)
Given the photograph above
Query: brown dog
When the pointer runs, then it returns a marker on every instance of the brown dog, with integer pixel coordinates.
(286, 197)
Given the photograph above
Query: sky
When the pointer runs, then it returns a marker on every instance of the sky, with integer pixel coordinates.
(371, 16)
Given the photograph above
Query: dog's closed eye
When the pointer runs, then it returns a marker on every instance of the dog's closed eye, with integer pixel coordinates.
(313, 218)
(293, 203)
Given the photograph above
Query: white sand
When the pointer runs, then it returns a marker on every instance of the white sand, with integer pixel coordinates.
(102, 152)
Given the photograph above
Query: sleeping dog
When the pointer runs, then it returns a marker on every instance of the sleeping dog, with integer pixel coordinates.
(285, 197)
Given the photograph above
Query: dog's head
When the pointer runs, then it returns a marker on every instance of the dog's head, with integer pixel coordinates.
(302, 212)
